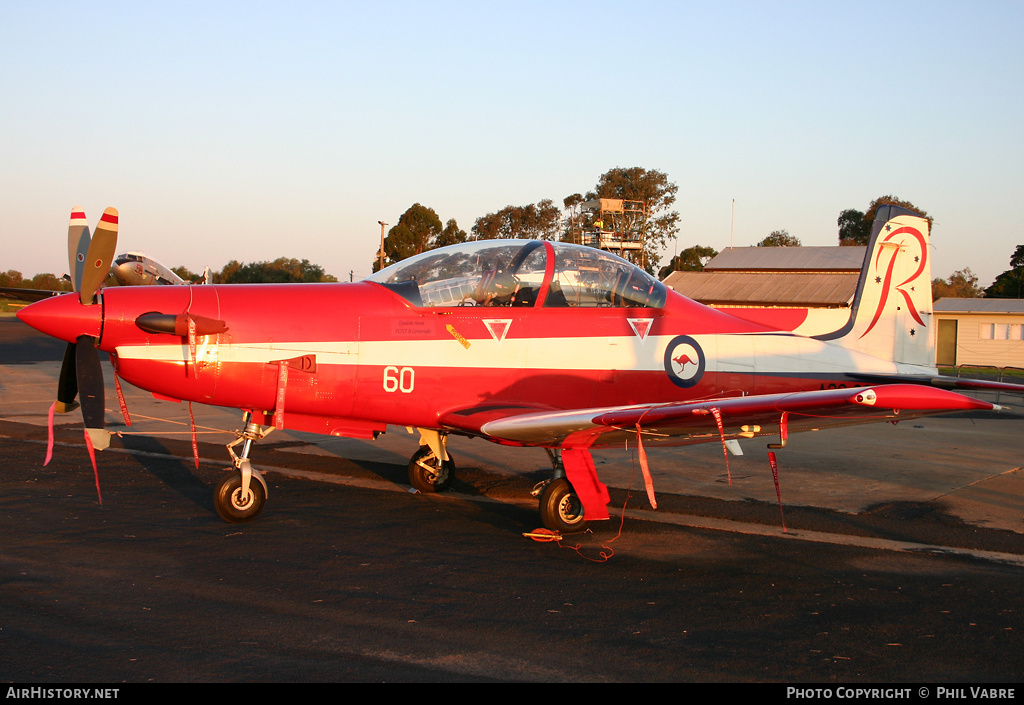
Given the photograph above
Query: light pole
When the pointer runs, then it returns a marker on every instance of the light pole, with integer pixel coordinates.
(380, 261)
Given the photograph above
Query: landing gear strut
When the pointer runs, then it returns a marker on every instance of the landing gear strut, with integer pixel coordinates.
(237, 498)
(431, 469)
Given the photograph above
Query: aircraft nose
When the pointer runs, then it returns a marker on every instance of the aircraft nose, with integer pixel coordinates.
(64, 317)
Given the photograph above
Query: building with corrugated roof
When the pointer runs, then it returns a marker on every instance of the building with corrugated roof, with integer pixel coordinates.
(792, 277)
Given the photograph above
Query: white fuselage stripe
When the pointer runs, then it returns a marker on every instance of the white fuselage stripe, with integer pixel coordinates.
(763, 354)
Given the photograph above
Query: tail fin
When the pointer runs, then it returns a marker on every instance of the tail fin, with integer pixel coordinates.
(891, 316)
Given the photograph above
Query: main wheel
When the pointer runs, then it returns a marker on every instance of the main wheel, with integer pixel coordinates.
(232, 506)
(560, 508)
(427, 473)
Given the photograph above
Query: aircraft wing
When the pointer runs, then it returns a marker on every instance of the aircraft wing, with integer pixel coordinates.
(29, 295)
(698, 421)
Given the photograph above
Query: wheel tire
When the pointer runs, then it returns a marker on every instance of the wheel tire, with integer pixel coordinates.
(231, 506)
(433, 479)
(560, 508)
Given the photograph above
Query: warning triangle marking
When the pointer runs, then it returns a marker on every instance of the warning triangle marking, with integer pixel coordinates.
(641, 326)
(498, 327)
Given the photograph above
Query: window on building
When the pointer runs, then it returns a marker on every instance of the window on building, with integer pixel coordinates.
(1001, 331)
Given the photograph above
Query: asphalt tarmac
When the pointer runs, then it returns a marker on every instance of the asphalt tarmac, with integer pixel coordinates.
(896, 555)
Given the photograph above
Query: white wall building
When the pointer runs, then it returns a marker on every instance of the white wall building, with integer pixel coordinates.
(988, 332)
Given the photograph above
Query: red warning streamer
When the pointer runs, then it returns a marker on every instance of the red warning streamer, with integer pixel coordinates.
(282, 384)
(49, 441)
(95, 471)
(192, 426)
(648, 481)
(120, 401)
(192, 345)
(721, 434)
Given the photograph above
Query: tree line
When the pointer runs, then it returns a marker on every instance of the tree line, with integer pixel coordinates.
(419, 229)
(13, 279)
(283, 269)
(963, 283)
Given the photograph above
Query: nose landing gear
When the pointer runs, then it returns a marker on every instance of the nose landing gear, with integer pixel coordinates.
(431, 469)
(237, 498)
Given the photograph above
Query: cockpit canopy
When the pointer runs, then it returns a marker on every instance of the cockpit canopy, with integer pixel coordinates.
(522, 273)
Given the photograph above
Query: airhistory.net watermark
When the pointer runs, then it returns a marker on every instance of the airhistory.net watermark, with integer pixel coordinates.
(62, 693)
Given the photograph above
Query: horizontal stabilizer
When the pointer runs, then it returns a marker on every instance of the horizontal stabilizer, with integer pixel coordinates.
(942, 382)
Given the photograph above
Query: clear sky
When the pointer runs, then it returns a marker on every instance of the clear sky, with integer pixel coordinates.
(256, 130)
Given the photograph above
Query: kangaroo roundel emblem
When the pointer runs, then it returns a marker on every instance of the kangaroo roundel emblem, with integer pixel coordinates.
(684, 361)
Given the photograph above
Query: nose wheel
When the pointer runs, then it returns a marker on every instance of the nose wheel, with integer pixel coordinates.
(428, 473)
(431, 469)
(240, 497)
(235, 505)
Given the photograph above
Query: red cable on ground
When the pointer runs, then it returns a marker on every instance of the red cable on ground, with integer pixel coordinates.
(778, 492)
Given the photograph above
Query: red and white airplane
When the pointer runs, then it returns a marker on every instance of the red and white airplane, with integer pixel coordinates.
(518, 342)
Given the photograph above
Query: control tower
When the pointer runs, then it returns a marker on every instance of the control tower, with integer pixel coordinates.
(612, 224)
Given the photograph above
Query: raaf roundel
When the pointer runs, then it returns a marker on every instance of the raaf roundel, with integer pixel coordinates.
(518, 342)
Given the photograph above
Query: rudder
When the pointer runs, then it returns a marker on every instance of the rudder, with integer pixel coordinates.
(891, 316)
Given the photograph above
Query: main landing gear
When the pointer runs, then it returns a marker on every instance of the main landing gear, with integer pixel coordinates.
(560, 508)
(240, 498)
(431, 469)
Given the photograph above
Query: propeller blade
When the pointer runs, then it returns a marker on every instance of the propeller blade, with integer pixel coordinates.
(78, 245)
(67, 383)
(100, 256)
(90, 384)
